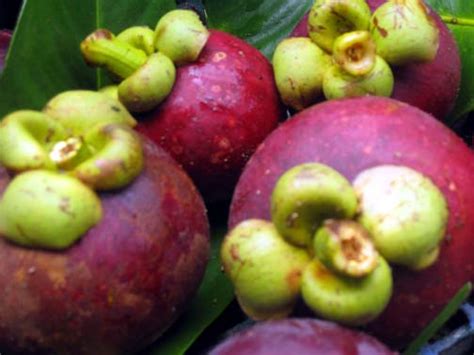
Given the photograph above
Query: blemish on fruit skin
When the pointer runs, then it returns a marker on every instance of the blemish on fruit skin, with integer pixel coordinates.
(216, 88)
(219, 56)
(293, 279)
(452, 186)
(234, 253)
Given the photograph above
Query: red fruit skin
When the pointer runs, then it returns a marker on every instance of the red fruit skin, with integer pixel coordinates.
(122, 284)
(221, 107)
(355, 134)
(431, 86)
(5, 38)
(302, 337)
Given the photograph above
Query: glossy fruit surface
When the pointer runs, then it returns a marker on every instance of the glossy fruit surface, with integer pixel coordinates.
(353, 135)
(302, 337)
(221, 107)
(122, 284)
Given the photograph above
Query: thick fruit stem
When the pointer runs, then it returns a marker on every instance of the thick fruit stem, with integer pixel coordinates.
(344, 246)
(101, 49)
(355, 52)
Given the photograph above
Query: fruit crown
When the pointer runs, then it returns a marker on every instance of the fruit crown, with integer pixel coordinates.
(82, 141)
(357, 47)
(143, 61)
(330, 241)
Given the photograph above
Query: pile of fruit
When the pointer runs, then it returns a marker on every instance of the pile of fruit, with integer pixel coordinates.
(348, 198)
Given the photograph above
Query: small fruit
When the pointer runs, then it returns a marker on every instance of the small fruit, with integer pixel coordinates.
(299, 336)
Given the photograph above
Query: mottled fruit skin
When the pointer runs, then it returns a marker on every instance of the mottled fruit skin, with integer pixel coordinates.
(221, 107)
(302, 337)
(432, 86)
(355, 134)
(5, 38)
(122, 284)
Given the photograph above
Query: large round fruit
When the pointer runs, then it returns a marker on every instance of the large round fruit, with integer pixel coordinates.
(221, 107)
(302, 337)
(431, 86)
(355, 134)
(122, 284)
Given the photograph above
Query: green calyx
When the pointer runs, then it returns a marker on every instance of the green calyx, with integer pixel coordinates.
(347, 300)
(265, 270)
(379, 81)
(149, 85)
(26, 139)
(299, 67)
(181, 36)
(328, 19)
(305, 196)
(363, 47)
(405, 213)
(345, 247)
(83, 141)
(79, 110)
(47, 210)
(140, 37)
(404, 32)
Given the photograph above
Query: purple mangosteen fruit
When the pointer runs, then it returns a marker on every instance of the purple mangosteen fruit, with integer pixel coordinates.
(205, 96)
(405, 169)
(431, 85)
(103, 237)
(300, 336)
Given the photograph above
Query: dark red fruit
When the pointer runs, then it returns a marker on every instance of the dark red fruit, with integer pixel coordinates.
(302, 337)
(221, 107)
(123, 284)
(355, 134)
(433, 86)
(5, 38)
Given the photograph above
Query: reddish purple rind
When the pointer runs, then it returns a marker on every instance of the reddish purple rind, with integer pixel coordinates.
(302, 337)
(433, 86)
(355, 134)
(122, 284)
(221, 107)
(5, 38)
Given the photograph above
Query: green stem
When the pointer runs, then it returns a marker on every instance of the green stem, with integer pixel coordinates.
(101, 49)
(452, 20)
(432, 328)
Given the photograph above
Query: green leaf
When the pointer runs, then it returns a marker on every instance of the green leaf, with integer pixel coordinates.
(263, 23)
(214, 295)
(447, 312)
(44, 57)
(459, 15)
